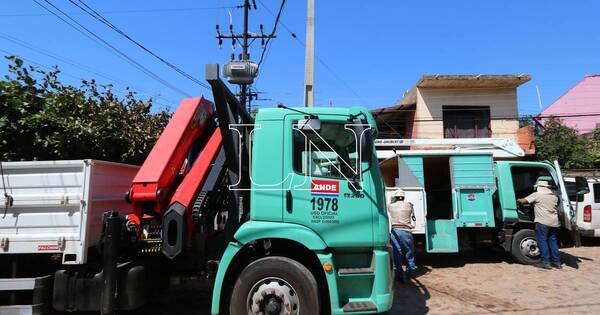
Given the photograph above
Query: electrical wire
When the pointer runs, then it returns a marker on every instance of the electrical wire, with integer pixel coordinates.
(99, 40)
(277, 18)
(78, 65)
(127, 11)
(96, 15)
(321, 61)
(39, 64)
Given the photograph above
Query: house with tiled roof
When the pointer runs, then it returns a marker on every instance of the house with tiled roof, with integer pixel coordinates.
(579, 107)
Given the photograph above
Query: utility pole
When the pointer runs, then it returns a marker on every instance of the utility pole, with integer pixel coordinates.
(243, 71)
(309, 63)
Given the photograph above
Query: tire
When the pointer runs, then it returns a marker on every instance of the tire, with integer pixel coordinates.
(524, 247)
(282, 280)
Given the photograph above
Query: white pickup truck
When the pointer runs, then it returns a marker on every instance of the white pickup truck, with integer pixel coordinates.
(587, 206)
(51, 216)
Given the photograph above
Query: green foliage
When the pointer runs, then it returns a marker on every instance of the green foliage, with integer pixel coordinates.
(559, 142)
(42, 118)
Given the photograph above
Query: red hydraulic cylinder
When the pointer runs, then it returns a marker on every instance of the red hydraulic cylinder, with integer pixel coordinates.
(189, 188)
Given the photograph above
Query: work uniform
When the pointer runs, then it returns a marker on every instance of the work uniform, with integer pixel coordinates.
(545, 206)
(401, 214)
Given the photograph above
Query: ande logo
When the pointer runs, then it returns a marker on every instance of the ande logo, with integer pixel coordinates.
(324, 187)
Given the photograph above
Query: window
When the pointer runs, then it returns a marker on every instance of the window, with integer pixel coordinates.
(525, 177)
(572, 192)
(466, 121)
(329, 152)
(596, 193)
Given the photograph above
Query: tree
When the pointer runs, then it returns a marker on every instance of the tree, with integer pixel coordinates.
(594, 143)
(559, 142)
(42, 118)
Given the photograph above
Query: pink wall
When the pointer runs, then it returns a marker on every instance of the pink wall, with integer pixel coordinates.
(582, 99)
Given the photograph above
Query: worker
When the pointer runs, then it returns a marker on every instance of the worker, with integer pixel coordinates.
(401, 214)
(545, 206)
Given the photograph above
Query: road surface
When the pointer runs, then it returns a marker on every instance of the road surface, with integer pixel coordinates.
(479, 282)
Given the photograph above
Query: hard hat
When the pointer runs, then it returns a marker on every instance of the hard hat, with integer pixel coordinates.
(399, 193)
(545, 181)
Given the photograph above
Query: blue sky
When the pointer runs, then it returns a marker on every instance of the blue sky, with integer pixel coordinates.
(372, 51)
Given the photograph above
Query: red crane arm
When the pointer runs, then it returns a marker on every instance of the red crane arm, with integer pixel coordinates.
(152, 187)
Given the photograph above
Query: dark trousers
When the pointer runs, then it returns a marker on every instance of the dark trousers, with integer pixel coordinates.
(546, 238)
(404, 248)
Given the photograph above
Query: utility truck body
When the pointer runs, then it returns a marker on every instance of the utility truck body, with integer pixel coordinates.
(467, 195)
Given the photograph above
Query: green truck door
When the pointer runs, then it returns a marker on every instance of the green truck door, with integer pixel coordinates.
(473, 185)
(440, 234)
(318, 194)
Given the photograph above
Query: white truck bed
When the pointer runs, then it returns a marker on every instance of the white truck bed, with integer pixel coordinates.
(57, 206)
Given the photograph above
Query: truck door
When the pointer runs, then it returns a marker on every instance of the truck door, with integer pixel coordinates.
(321, 194)
(568, 212)
(411, 179)
(473, 186)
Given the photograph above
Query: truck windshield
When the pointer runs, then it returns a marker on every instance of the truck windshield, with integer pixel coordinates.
(329, 152)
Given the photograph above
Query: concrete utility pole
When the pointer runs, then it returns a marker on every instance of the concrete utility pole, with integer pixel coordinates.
(309, 64)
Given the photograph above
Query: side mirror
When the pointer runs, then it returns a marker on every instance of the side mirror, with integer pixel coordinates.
(366, 146)
(366, 141)
(582, 185)
(309, 124)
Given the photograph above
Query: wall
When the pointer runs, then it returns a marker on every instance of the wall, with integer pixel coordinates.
(502, 102)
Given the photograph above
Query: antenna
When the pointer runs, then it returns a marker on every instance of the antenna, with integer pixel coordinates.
(537, 88)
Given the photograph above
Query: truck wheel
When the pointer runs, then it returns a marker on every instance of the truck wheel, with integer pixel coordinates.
(275, 285)
(524, 248)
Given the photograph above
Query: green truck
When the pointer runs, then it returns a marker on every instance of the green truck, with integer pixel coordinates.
(282, 213)
(465, 193)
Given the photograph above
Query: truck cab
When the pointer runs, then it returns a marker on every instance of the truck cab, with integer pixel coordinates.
(316, 198)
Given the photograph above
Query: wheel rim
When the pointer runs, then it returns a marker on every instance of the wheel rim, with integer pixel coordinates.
(529, 247)
(272, 296)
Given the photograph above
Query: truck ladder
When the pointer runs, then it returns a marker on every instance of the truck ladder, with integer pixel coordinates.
(498, 147)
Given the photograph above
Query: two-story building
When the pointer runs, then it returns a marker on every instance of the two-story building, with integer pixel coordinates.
(457, 106)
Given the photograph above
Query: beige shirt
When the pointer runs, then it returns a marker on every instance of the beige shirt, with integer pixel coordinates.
(545, 206)
(400, 214)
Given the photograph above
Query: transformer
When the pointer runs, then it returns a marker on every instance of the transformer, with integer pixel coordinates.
(240, 71)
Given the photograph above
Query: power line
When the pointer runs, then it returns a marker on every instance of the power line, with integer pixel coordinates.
(93, 13)
(100, 41)
(127, 11)
(39, 64)
(78, 65)
(277, 18)
(321, 61)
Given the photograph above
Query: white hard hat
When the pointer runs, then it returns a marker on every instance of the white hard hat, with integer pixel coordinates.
(543, 183)
(399, 193)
